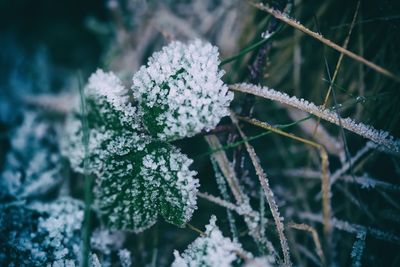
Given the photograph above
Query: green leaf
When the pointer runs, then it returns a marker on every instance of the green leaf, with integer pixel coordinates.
(136, 188)
(138, 177)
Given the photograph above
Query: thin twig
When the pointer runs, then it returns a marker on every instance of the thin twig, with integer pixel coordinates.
(197, 230)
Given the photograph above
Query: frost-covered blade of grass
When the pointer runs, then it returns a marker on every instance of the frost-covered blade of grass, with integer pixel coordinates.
(380, 137)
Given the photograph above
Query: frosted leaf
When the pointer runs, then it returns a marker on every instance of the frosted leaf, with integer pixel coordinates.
(135, 189)
(103, 143)
(138, 178)
(41, 234)
(109, 95)
(114, 124)
(180, 91)
(211, 250)
(32, 166)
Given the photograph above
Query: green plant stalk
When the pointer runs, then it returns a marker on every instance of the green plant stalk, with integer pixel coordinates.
(243, 52)
(87, 177)
(254, 137)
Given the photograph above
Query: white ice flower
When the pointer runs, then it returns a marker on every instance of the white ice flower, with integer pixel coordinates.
(180, 91)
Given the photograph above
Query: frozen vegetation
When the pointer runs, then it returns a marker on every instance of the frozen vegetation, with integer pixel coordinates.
(134, 160)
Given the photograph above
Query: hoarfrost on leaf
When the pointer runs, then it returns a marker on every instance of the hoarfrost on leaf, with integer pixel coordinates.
(41, 234)
(114, 124)
(210, 250)
(135, 189)
(33, 163)
(180, 91)
(138, 177)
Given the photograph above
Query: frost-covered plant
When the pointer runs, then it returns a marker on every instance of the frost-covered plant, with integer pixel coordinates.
(138, 177)
(134, 190)
(180, 91)
(106, 241)
(41, 234)
(210, 250)
(32, 165)
(113, 122)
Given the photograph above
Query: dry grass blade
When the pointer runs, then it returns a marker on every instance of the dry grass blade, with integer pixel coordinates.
(326, 188)
(226, 204)
(315, 237)
(295, 24)
(225, 167)
(354, 228)
(380, 137)
(268, 194)
(230, 175)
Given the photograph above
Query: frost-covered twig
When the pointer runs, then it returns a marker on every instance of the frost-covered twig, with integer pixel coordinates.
(354, 159)
(378, 136)
(226, 204)
(358, 248)
(354, 228)
(268, 194)
(365, 181)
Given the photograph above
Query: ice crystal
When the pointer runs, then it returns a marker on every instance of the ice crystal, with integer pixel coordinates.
(213, 249)
(180, 91)
(134, 190)
(32, 166)
(41, 234)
